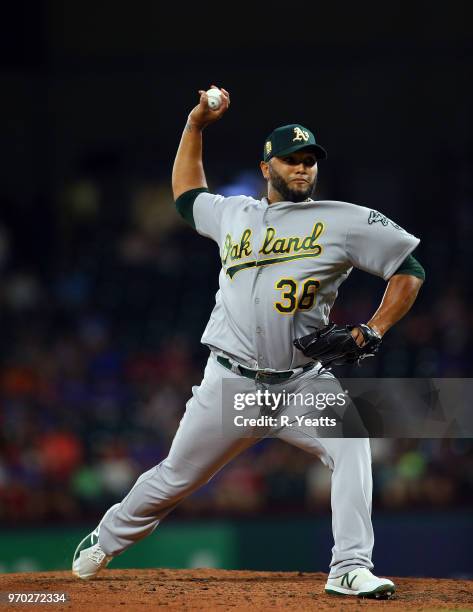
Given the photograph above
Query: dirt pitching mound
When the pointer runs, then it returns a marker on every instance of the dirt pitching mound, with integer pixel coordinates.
(211, 589)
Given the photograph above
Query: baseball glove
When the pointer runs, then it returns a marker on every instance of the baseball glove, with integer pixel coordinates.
(334, 344)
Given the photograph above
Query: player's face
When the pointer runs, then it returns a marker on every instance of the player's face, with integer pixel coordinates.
(294, 176)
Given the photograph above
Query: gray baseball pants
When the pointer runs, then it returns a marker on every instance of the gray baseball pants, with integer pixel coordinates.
(201, 447)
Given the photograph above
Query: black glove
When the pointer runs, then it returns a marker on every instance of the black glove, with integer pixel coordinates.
(335, 344)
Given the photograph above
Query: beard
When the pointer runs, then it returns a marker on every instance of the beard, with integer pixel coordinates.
(288, 194)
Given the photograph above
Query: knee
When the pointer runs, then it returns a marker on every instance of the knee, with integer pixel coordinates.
(178, 483)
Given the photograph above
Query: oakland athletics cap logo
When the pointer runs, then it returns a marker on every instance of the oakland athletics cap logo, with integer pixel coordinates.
(300, 135)
(287, 139)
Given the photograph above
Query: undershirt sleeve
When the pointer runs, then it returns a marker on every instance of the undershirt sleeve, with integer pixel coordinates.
(185, 204)
(412, 267)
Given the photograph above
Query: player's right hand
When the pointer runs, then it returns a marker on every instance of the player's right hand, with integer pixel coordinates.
(202, 115)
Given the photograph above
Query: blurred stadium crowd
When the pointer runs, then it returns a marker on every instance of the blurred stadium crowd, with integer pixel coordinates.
(105, 294)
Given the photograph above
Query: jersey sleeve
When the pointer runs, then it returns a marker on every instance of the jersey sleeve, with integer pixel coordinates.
(376, 244)
(209, 210)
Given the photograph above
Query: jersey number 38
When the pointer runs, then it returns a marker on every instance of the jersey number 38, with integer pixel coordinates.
(292, 299)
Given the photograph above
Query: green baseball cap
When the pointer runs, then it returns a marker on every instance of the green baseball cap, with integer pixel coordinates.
(289, 138)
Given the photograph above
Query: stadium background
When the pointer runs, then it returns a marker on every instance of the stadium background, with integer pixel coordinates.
(105, 292)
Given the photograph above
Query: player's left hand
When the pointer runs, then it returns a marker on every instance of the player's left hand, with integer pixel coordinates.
(357, 336)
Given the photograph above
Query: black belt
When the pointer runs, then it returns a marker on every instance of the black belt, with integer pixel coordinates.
(263, 374)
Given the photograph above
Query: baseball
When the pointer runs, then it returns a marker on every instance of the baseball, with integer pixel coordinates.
(214, 97)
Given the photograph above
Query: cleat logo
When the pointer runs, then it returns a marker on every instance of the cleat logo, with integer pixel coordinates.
(347, 580)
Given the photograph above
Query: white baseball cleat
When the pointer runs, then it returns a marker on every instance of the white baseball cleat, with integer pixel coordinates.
(361, 582)
(89, 558)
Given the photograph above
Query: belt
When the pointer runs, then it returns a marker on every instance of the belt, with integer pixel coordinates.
(263, 374)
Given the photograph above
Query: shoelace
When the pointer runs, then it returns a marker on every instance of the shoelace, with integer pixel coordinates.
(97, 556)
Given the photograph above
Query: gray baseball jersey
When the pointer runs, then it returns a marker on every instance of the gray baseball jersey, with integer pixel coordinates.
(282, 265)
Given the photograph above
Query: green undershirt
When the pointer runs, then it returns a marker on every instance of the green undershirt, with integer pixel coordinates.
(412, 267)
(185, 204)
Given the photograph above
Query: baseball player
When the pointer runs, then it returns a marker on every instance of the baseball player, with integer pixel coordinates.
(283, 259)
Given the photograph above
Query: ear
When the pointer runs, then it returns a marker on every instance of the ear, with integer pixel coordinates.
(264, 169)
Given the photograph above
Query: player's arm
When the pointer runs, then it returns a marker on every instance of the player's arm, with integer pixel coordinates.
(401, 293)
(188, 170)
